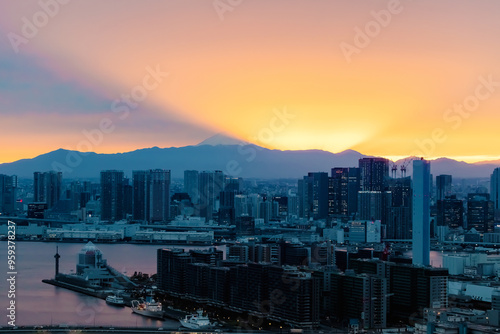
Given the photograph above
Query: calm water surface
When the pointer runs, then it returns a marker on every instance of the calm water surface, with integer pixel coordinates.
(43, 304)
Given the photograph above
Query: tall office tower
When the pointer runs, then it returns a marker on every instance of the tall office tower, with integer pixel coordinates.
(139, 190)
(343, 190)
(421, 212)
(242, 206)
(191, 184)
(480, 213)
(282, 202)
(317, 195)
(338, 192)
(112, 195)
(227, 210)
(371, 205)
(8, 188)
(450, 212)
(128, 199)
(443, 186)
(293, 205)
(302, 198)
(48, 187)
(151, 194)
(233, 184)
(353, 186)
(159, 195)
(254, 205)
(374, 173)
(495, 188)
(266, 211)
(399, 217)
(210, 184)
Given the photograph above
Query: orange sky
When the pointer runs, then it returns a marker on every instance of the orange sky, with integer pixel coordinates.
(233, 75)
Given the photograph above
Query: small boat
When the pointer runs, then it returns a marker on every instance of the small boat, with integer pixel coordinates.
(197, 321)
(150, 308)
(115, 300)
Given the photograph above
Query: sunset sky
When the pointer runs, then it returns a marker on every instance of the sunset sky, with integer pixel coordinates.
(391, 87)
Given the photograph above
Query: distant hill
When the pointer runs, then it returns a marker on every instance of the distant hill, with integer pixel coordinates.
(247, 161)
(239, 160)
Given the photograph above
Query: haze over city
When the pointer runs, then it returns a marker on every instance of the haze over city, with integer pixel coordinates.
(384, 78)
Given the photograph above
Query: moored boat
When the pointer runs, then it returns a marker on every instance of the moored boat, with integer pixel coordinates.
(197, 321)
(149, 308)
(115, 300)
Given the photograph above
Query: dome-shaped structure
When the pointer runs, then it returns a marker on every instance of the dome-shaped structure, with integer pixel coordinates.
(90, 257)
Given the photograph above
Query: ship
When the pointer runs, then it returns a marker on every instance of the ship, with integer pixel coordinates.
(149, 308)
(115, 300)
(197, 321)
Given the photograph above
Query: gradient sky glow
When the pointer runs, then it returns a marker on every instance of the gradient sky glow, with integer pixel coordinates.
(231, 75)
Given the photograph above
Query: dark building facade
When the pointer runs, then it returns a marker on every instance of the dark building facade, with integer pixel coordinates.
(8, 188)
(480, 213)
(210, 184)
(112, 195)
(374, 173)
(443, 186)
(47, 187)
(450, 212)
(399, 209)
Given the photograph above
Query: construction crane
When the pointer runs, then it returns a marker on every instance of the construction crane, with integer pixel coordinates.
(405, 164)
(394, 169)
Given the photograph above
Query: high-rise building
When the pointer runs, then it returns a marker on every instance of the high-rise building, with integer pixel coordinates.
(139, 193)
(399, 216)
(495, 188)
(421, 212)
(410, 288)
(300, 307)
(450, 212)
(219, 285)
(210, 184)
(374, 173)
(480, 213)
(47, 187)
(414, 288)
(112, 195)
(338, 195)
(151, 194)
(171, 269)
(360, 296)
(317, 195)
(191, 184)
(343, 190)
(233, 184)
(443, 186)
(303, 198)
(282, 202)
(370, 205)
(159, 195)
(8, 187)
(128, 199)
(242, 206)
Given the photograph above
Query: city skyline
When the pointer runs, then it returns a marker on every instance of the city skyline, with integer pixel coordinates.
(383, 78)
